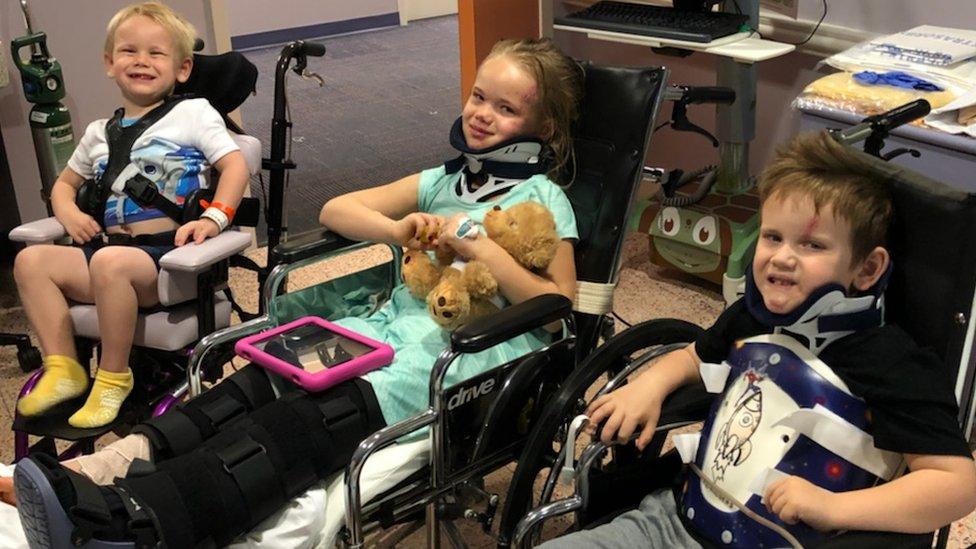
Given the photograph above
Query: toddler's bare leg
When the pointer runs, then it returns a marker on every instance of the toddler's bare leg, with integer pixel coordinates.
(47, 276)
(122, 279)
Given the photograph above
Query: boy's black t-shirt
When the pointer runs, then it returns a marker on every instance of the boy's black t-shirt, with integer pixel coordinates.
(906, 388)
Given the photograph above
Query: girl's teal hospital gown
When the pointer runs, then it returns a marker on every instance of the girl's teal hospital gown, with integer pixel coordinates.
(404, 322)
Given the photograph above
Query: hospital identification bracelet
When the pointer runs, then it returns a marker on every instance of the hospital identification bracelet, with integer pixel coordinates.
(218, 212)
(467, 228)
(217, 216)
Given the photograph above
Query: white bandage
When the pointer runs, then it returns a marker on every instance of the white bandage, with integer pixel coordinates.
(217, 216)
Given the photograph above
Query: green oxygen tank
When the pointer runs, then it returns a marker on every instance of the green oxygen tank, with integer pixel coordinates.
(50, 121)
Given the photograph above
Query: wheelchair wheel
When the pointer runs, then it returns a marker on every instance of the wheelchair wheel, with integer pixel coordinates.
(640, 343)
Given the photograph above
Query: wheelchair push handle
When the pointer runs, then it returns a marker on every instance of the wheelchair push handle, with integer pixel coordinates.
(709, 94)
(682, 96)
(899, 116)
(880, 124)
(314, 49)
(696, 95)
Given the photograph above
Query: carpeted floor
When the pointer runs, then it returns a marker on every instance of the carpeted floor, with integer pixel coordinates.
(384, 112)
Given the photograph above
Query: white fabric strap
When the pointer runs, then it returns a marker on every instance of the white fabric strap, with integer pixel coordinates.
(593, 298)
(714, 375)
(687, 445)
(217, 216)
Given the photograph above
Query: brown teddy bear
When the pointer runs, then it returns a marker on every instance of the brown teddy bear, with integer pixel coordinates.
(455, 296)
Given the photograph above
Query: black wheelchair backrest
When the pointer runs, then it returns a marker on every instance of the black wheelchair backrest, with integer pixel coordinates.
(932, 242)
(610, 137)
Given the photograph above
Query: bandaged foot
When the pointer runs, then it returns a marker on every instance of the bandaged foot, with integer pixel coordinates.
(113, 460)
(106, 397)
(63, 379)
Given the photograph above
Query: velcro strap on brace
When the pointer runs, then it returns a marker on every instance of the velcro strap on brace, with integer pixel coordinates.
(176, 523)
(248, 463)
(181, 430)
(170, 434)
(90, 513)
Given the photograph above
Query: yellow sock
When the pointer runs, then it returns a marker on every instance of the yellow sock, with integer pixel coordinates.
(106, 397)
(63, 379)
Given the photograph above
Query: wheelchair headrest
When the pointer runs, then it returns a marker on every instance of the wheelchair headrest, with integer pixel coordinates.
(225, 80)
(609, 139)
(932, 242)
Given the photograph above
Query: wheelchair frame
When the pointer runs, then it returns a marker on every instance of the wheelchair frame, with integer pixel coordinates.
(643, 93)
(693, 404)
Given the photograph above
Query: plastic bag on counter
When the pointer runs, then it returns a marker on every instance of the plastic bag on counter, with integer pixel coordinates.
(958, 77)
(867, 92)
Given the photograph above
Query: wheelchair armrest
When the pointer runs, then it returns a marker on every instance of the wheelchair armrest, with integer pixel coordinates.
(311, 244)
(490, 330)
(38, 232)
(194, 257)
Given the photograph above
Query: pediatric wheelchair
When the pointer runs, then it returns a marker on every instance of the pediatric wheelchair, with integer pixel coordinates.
(193, 296)
(478, 425)
(930, 296)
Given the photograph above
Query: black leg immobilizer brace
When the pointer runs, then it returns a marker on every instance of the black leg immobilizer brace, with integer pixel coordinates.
(253, 466)
(184, 429)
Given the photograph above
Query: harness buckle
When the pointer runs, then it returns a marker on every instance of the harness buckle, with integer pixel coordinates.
(142, 190)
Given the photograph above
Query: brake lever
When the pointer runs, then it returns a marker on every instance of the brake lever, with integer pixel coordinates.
(301, 62)
(309, 75)
(680, 122)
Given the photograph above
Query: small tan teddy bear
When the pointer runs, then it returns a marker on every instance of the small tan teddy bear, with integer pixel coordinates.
(527, 231)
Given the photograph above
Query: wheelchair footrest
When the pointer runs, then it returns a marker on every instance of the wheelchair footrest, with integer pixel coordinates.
(54, 423)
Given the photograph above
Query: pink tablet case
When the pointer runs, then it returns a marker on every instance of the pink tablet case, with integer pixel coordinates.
(381, 355)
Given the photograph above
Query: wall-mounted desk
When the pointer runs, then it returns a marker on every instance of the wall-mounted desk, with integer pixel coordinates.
(742, 47)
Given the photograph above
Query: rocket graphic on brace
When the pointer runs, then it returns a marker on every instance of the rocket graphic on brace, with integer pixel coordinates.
(733, 443)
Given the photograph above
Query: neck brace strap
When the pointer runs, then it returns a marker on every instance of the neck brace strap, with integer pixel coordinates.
(502, 166)
(827, 314)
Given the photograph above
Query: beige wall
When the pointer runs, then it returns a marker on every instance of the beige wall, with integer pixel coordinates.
(76, 32)
(254, 16)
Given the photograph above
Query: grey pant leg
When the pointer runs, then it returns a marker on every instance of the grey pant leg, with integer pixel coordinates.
(654, 524)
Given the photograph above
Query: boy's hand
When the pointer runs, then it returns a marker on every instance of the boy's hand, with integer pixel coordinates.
(418, 231)
(794, 499)
(196, 231)
(628, 408)
(80, 226)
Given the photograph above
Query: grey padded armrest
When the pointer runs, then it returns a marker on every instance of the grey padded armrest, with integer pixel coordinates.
(38, 232)
(193, 258)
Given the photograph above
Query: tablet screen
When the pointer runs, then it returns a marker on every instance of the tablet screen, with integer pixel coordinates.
(312, 348)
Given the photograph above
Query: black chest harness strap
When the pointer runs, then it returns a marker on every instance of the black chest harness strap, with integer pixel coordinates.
(93, 195)
(123, 177)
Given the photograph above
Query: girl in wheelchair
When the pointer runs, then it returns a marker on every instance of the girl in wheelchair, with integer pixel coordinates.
(230, 458)
(802, 349)
(115, 263)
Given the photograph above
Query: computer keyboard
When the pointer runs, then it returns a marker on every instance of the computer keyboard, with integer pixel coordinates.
(656, 21)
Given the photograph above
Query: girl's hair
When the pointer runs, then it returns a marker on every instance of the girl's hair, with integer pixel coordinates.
(560, 83)
(181, 31)
(815, 166)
